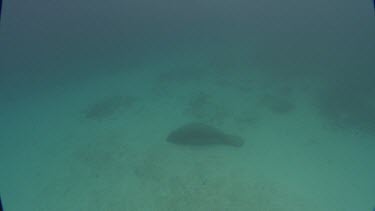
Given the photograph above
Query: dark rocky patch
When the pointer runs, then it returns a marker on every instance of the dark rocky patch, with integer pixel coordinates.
(199, 134)
(277, 104)
(108, 107)
(348, 107)
(203, 107)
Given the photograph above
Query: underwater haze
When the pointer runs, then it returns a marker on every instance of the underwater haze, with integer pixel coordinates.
(187, 105)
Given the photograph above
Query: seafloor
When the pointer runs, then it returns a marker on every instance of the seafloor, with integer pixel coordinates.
(99, 143)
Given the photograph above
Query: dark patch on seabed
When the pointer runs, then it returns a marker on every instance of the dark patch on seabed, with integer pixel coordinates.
(199, 134)
(203, 107)
(350, 104)
(277, 104)
(108, 107)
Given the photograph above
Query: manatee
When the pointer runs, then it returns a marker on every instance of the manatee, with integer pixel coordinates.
(199, 134)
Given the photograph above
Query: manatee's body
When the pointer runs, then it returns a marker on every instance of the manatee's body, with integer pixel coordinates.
(201, 134)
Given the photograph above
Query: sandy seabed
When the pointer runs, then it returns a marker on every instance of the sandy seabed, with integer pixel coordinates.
(99, 143)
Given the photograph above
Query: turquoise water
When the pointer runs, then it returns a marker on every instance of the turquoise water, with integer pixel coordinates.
(90, 91)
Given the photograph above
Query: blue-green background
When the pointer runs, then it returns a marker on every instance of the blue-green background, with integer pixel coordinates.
(293, 78)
